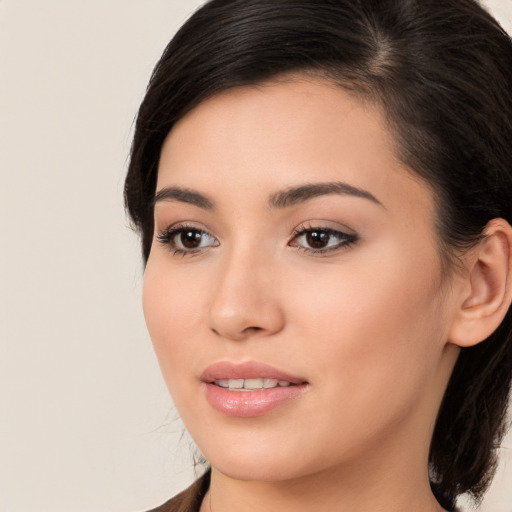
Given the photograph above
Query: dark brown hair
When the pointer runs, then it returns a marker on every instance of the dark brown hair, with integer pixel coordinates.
(442, 72)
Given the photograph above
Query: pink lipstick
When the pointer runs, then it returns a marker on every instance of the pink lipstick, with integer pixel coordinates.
(249, 389)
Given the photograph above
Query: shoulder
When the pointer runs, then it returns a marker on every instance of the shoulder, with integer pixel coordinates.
(188, 500)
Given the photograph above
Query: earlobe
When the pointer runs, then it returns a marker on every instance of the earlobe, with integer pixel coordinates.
(487, 292)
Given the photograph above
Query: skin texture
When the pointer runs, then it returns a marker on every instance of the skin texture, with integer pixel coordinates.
(367, 324)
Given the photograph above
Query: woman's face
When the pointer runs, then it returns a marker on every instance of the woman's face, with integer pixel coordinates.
(291, 245)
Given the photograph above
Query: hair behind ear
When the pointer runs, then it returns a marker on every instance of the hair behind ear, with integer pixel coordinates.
(471, 421)
(472, 418)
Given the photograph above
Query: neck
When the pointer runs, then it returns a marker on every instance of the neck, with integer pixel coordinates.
(369, 487)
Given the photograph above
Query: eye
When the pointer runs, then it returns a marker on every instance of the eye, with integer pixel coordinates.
(183, 239)
(321, 239)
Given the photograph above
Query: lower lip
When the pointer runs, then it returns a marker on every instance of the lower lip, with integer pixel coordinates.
(247, 404)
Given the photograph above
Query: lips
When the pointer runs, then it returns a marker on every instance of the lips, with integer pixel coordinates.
(249, 389)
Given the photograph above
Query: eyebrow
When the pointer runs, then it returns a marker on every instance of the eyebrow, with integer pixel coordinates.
(296, 195)
(281, 199)
(184, 195)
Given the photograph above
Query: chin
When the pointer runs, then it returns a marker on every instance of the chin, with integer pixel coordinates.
(260, 471)
(261, 461)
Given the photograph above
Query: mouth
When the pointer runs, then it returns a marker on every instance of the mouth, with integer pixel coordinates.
(249, 389)
(251, 384)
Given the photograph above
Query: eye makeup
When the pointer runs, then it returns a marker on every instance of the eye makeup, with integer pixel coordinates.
(183, 239)
(321, 240)
(186, 239)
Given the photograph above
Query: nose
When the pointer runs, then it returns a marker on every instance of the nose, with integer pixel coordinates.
(245, 300)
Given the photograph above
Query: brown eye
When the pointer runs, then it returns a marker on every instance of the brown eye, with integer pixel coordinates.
(185, 239)
(322, 240)
(190, 239)
(318, 239)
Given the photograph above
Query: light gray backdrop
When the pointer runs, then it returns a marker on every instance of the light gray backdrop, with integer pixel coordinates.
(85, 420)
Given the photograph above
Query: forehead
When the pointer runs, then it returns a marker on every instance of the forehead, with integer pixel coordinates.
(280, 134)
(285, 111)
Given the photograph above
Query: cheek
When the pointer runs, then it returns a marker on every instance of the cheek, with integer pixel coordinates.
(375, 321)
(369, 342)
(172, 310)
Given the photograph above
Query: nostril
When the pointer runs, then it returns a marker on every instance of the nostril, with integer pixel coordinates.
(240, 335)
(240, 319)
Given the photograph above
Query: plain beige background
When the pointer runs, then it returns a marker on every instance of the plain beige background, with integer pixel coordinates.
(85, 420)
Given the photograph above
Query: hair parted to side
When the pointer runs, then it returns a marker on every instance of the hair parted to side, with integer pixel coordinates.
(441, 70)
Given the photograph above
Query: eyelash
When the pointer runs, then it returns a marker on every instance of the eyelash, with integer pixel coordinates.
(346, 240)
(167, 238)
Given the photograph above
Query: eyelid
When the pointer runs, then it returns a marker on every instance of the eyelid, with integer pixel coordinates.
(323, 224)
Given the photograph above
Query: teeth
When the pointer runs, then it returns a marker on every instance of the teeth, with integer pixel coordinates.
(269, 383)
(236, 383)
(250, 384)
(253, 384)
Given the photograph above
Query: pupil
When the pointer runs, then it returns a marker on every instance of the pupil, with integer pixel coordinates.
(191, 239)
(317, 239)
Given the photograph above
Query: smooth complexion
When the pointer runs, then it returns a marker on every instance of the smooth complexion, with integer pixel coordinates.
(339, 286)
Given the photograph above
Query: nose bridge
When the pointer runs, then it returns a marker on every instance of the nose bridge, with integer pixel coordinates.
(244, 300)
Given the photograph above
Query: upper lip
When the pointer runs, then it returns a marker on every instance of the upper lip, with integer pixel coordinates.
(247, 370)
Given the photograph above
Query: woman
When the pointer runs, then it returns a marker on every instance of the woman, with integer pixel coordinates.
(323, 193)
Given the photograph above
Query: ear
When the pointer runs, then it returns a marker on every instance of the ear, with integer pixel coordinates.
(486, 292)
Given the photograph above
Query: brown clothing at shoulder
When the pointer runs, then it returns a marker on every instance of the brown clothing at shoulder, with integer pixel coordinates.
(188, 500)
